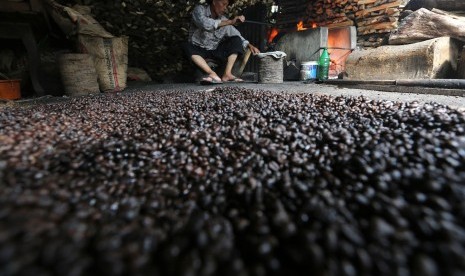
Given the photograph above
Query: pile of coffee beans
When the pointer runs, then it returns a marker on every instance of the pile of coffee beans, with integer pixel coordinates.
(232, 182)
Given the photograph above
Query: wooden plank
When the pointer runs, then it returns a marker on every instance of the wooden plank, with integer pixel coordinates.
(244, 62)
(375, 4)
(364, 2)
(395, 15)
(432, 59)
(379, 26)
(377, 19)
(374, 31)
(416, 27)
(389, 11)
(339, 25)
(378, 8)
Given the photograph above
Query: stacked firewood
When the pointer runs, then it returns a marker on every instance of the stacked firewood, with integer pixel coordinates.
(375, 19)
(331, 14)
(156, 30)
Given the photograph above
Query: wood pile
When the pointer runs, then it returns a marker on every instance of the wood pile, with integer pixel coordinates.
(331, 14)
(376, 19)
(423, 24)
(156, 30)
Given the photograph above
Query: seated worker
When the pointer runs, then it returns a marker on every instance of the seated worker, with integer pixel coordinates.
(213, 36)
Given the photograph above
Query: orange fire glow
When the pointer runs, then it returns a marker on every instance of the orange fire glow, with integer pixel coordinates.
(300, 26)
(314, 25)
(273, 33)
(332, 41)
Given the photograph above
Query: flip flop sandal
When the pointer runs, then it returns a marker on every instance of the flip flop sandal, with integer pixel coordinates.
(209, 81)
(236, 80)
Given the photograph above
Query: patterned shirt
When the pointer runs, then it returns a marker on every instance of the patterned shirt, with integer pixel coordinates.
(204, 31)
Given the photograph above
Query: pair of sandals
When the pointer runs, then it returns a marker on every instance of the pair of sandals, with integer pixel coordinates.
(210, 80)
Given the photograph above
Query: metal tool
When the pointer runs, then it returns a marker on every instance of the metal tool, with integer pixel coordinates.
(257, 22)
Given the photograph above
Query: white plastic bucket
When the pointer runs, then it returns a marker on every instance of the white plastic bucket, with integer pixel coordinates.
(308, 70)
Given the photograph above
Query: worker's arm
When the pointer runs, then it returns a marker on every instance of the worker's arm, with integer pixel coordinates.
(236, 20)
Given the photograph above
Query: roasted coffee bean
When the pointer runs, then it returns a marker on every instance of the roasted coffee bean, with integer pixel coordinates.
(231, 181)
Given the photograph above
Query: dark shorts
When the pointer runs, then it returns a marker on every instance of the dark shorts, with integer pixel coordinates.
(229, 46)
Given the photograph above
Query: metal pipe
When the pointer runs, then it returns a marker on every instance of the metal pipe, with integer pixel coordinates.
(428, 83)
(257, 22)
(358, 82)
(434, 83)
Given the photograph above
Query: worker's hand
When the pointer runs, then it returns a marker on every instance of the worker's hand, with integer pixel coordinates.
(238, 19)
(253, 49)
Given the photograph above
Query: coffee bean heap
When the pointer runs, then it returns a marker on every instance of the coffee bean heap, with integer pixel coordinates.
(232, 182)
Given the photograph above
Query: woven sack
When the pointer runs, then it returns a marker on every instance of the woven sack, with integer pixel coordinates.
(110, 58)
(78, 74)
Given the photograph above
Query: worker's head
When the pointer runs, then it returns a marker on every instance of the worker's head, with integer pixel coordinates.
(219, 6)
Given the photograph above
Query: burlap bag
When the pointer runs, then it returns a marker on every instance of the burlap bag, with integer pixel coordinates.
(110, 59)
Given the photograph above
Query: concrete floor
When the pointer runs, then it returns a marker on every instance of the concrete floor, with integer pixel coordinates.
(457, 102)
